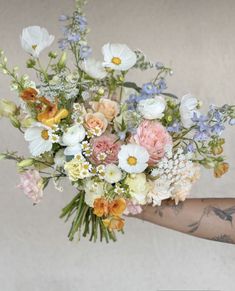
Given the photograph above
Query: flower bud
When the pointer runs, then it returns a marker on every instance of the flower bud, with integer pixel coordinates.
(2, 156)
(62, 60)
(7, 108)
(220, 169)
(31, 63)
(27, 122)
(52, 55)
(14, 121)
(25, 163)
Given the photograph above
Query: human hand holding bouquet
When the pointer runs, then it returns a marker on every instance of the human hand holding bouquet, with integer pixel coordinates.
(122, 146)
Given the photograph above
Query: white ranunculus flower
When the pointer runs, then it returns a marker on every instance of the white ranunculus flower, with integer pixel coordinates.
(112, 174)
(35, 39)
(152, 108)
(133, 158)
(93, 190)
(188, 106)
(118, 57)
(93, 68)
(73, 135)
(139, 187)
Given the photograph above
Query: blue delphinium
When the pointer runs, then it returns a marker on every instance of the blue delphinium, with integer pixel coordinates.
(161, 86)
(149, 89)
(174, 127)
(202, 127)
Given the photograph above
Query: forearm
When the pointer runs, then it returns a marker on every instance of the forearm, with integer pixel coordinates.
(211, 218)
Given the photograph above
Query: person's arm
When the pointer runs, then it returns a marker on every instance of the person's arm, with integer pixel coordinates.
(210, 218)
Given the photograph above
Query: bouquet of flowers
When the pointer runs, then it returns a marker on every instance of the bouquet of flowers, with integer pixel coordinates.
(121, 145)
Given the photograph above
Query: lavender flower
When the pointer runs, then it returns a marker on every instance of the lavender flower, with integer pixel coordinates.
(161, 86)
(73, 37)
(149, 89)
(175, 127)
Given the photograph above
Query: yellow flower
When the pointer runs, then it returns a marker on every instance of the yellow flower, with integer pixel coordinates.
(114, 222)
(77, 168)
(116, 207)
(100, 207)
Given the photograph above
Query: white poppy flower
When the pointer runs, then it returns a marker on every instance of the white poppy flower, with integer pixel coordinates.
(93, 68)
(133, 158)
(40, 139)
(152, 108)
(118, 57)
(112, 174)
(35, 39)
(188, 106)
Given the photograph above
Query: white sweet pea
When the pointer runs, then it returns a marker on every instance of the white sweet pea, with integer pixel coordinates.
(152, 108)
(35, 39)
(118, 57)
(188, 106)
(72, 138)
(93, 68)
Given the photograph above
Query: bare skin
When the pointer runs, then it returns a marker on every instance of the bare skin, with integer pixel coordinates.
(210, 218)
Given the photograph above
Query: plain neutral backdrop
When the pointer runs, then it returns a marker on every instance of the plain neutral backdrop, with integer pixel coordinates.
(197, 39)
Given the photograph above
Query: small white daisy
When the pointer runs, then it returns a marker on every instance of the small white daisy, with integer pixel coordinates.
(133, 158)
(118, 57)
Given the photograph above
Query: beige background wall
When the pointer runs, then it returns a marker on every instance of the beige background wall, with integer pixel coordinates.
(197, 38)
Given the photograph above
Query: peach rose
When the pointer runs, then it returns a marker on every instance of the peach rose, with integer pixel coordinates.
(154, 137)
(109, 108)
(96, 123)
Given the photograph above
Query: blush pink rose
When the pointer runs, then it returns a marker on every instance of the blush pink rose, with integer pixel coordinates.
(32, 184)
(154, 137)
(107, 146)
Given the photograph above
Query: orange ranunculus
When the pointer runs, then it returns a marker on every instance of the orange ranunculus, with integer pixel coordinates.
(116, 207)
(29, 95)
(114, 222)
(100, 207)
(221, 169)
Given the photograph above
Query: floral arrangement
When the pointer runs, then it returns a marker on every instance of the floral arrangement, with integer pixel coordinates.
(122, 146)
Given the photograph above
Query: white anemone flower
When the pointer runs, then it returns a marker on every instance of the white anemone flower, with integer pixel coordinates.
(188, 106)
(118, 57)
(133, 158)
(152, 108)
(40, 138)
(93, 68)
(34, 39)
(72, 138)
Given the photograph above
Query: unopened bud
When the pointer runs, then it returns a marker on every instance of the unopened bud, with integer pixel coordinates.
(25, 163)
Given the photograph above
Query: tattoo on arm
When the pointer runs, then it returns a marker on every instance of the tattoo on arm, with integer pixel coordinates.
(170, 204)
(225, 215)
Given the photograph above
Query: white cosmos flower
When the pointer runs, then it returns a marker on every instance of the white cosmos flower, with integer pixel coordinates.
(93, 68)
(118, 57)
(72, 138)
(35, 39)
(112, 174)
(152, 108)
(188, 106)
(40, 138)
(133, 158)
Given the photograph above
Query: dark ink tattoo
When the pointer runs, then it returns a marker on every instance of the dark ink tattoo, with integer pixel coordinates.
(223, 238)
(169, 204)
(225, 215)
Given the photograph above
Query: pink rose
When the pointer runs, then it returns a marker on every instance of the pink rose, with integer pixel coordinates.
(154, 137)
(105, 149)
(32, 184)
